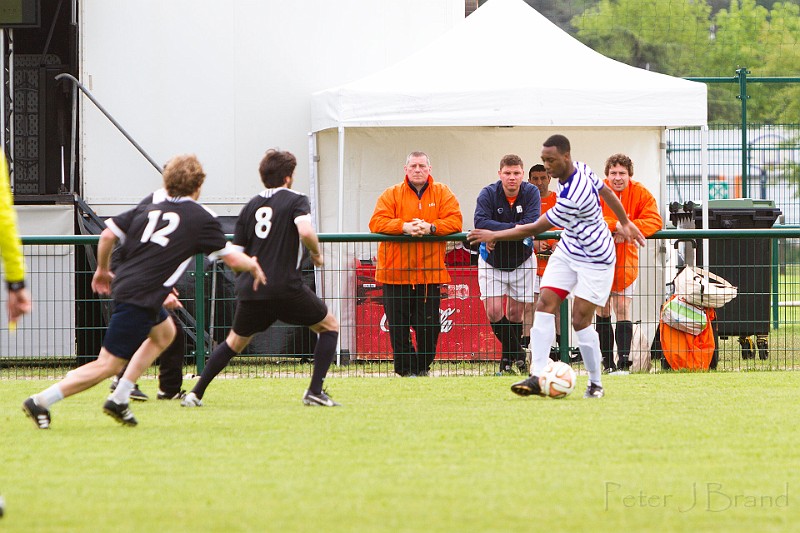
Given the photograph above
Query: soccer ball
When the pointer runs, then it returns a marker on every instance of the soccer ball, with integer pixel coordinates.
(557, 380)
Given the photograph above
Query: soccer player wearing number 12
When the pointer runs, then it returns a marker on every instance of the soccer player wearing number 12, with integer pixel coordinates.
(274, 226)
(158, 240)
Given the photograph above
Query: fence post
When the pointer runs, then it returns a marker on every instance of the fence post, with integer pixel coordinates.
(774, 277)
(199, 312)
(742, 73)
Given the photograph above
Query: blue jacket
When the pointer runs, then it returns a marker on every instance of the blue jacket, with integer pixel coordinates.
(493, 212)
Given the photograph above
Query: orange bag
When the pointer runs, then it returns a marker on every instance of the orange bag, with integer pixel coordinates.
(684, 351)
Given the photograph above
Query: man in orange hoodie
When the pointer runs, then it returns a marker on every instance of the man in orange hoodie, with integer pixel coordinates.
(412, 272)
(641, 208)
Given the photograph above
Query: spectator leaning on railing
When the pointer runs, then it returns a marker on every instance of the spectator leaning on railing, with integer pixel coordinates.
(411, 273)
(507, 270)
(642, 210)
(19, 300)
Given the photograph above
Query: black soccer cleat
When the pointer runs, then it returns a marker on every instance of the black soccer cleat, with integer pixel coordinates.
(594, 391)
(39, 415)
(167, 396)
(119, 412)
(320, 399)
(528, 387)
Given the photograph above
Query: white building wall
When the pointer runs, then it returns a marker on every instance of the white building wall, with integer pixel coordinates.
(226, 81)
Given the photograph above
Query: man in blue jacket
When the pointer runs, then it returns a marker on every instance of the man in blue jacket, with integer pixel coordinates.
(507, 270)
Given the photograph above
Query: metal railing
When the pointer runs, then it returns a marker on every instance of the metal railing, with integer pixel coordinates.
(68, 322)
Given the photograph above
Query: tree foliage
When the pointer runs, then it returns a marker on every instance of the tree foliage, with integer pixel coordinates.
(688, 38)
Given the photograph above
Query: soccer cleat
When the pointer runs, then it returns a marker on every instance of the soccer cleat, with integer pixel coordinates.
(594, 391)
(521, 367)
(119, 412)
(136, 394)
(39, 415)
(527, 387)
(191, 400)
(321, 399)
(165, 396)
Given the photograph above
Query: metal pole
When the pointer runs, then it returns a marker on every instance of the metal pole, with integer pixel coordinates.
(742, 75)
(199, 313)
(706, 195)
(85, 91)
(11, 109)
(3, 88)
(775, 243)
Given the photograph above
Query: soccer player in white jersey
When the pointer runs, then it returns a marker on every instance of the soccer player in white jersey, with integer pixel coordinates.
(582, 264)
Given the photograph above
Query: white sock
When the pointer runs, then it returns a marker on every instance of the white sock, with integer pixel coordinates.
(589, 344)
(49, 396)
(543, 333)
(122, 393)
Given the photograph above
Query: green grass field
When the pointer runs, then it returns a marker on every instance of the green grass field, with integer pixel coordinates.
(662, 452)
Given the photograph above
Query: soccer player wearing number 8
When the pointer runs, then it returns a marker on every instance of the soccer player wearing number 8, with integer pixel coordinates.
(158, 240)
(274, 226)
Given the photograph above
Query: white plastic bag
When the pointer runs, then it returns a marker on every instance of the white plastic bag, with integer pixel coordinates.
(702, 288)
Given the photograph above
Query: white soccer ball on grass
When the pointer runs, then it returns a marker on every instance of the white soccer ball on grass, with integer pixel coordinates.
(558, 379)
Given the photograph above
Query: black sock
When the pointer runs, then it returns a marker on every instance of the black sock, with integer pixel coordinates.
(219, 359)
(500, 330)
(606, 334)
(526, 341)
(623, 336)
(323, 357)
(515, 330)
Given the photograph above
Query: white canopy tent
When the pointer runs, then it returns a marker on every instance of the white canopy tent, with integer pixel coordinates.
(499, 82)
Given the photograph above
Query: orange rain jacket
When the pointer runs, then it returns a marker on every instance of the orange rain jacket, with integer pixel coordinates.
(421, 262)
(549, 244)
(641, 208)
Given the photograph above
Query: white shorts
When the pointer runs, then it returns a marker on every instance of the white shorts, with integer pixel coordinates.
(519, 284)
(588, 282)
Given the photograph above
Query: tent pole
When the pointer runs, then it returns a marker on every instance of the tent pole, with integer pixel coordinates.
(340, 221)
(704, 184)
(313, 178)
(340, 226)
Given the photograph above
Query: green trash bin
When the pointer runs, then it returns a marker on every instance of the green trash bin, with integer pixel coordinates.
(747, 264)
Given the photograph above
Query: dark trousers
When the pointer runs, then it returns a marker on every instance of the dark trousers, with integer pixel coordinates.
(413, 307)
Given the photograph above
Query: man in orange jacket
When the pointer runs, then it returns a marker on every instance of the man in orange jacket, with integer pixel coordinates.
(412, 272)
(641, 208)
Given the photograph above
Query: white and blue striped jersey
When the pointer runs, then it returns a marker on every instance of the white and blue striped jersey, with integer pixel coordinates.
(586, 237)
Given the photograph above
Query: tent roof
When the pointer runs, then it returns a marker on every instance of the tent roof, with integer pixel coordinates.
(507, 65)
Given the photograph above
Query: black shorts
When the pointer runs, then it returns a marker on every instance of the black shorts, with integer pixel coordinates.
(303, 308)
(129, 327)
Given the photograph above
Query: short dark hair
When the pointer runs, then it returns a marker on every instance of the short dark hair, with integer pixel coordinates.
(511, 160)
(183, 175)
(560, 142)
(619, 159)
(275, 167)
(538, 167)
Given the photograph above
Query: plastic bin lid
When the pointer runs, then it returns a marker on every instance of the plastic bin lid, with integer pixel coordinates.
(741, 203)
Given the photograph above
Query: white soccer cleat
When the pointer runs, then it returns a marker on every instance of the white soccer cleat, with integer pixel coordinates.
(191, 400)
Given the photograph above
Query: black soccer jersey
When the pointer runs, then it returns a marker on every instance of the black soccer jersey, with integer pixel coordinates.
(157, 241)
(266, 229)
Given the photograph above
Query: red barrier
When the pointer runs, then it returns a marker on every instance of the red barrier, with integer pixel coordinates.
(466, 333)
